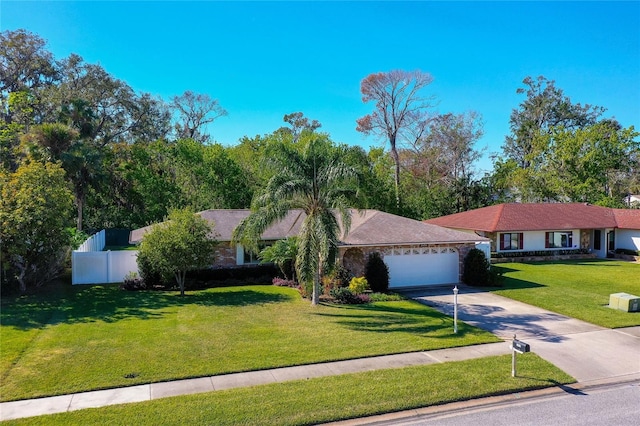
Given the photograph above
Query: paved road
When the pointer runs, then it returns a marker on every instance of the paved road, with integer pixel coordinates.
(613, 405)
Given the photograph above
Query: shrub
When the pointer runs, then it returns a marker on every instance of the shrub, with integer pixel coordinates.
(377, 273)
(344, 295)
(358, 285)
(627, 251)
(476, 268)
(133, 282)
(150, 275)
(284, 283)
(386, 297)
(306, 289)
(338, 277)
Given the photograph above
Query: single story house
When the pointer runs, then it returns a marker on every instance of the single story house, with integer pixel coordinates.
(417, 253)
(514, 227)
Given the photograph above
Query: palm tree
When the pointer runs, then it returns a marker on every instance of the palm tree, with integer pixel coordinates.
(318, 184)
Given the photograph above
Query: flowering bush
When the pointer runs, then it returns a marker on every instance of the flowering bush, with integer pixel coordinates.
(344, 295)
(358, 285)
(133, 282)
(281, 282)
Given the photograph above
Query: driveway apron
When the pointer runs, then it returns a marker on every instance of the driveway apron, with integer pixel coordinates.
(585, 351)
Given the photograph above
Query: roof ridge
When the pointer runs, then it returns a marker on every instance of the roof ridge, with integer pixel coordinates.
(494, 225)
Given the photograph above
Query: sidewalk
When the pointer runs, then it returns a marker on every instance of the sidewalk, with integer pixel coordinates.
(139, 393)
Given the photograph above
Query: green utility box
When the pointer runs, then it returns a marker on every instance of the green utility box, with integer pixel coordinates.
(624, 302)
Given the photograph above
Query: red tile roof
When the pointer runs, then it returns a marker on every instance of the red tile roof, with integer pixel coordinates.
(540, 217)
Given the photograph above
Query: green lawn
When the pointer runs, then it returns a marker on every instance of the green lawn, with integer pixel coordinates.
(79, 338)
(579, 289)
(328, 398)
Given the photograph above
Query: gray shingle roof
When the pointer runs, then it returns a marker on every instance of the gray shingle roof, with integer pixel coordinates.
(368, 227)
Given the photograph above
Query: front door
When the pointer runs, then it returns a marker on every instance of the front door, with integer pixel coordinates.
(611, 240)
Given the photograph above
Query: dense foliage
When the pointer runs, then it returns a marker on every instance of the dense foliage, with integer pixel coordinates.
(377, 273)
(129, 158)
(172, 248)
(34, 212)
(316, 181)
(477, 269)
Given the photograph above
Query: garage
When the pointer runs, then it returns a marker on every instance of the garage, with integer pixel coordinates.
(422, 266)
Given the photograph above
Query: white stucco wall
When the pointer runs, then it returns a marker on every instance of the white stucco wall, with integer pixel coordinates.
(602, 253)
(535, 240)
(628, 239)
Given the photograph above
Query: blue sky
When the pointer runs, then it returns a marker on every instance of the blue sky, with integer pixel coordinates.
(265, 59)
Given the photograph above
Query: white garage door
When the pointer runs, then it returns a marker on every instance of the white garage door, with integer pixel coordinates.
(423, 266)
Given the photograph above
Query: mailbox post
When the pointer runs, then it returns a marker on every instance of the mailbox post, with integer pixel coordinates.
(520, 347)
(455, 309)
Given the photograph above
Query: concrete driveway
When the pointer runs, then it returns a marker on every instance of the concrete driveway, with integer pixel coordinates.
(585, 351)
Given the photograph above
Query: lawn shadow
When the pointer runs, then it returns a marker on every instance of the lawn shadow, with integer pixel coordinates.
(108, 303)
(392, 319)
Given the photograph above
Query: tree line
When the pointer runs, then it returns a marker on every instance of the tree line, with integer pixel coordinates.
(80, 150)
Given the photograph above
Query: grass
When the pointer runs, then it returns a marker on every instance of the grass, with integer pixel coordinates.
(79, 338)
(329, 398)
(579, 289)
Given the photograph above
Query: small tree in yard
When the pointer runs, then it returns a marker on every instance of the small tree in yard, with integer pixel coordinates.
(174, 247)
(377, 273)
(477, 269)
(35, 203)
(281, 253)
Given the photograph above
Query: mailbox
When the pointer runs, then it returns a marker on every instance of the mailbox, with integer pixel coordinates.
(520, 346)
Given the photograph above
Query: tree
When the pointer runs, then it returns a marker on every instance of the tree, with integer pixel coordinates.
(317, 182)
(444, 155)
(281, 253)
(477, 269)
(34, 212)
(377, 273)
(591, 164)
(546, 106)
(299, 123)
(195, 111)
(208, 177)
(400, 108)
(25, 64)
(181, 244)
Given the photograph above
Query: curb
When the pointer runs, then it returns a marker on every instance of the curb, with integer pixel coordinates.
(425, 413)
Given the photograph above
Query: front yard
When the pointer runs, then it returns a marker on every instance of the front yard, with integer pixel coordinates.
(579, 289)
(80, 338)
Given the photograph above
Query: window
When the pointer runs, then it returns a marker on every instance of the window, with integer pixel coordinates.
(597, 239)
(247, 257)
(250, 257)
(559, 240)
(513, 241)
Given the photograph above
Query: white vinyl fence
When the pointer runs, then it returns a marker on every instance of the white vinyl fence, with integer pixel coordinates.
(91, 265)
(486, 248)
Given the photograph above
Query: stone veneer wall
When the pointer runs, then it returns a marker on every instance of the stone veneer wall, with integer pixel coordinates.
(543, 258)
(494, 240)
(585, 238)
(462, 249)
(224, 255)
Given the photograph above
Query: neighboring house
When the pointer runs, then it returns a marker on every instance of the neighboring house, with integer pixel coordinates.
(632, 200)
(550, 226)
(416, 253)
